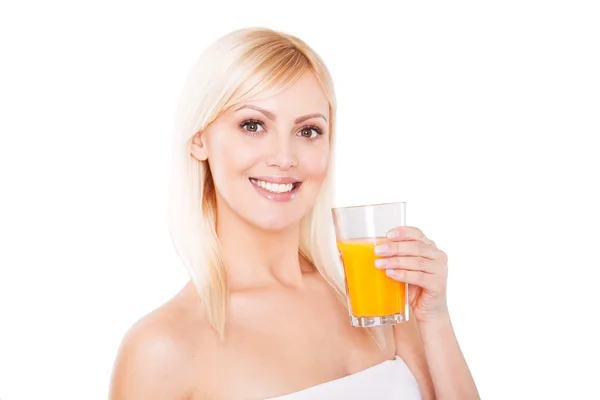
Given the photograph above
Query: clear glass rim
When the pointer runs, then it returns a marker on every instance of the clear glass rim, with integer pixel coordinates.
(370, 205)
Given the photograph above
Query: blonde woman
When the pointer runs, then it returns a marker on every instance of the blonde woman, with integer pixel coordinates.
(264, 315)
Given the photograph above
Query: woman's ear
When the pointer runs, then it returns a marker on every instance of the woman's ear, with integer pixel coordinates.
(198, 148)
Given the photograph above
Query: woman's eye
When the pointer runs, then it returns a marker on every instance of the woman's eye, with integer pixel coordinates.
(252, 126)
(310, 132)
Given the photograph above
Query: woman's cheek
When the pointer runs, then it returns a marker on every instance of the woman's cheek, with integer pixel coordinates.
(316, 164)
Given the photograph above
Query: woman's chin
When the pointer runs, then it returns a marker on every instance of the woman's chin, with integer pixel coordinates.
(275, 224)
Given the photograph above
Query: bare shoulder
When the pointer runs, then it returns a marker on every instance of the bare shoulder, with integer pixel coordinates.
(154, 360)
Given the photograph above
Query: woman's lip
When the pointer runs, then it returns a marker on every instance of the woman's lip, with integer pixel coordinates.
(278, 197)
(276, 179)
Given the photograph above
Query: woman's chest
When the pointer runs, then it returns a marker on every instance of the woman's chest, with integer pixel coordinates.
(258, 369)
(286, 346)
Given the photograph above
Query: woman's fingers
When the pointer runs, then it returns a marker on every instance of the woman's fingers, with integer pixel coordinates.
(412, 248)
(430, 282)
(406, 262)
(401, 233)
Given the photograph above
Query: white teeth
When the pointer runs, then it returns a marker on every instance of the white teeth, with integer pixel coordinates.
(274, 187)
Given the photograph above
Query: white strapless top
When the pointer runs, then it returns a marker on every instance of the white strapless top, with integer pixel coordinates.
(389, 380)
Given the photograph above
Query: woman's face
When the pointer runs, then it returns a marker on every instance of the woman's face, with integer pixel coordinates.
(269, 157)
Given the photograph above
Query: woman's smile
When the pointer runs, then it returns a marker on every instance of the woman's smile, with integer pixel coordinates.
(276, 188)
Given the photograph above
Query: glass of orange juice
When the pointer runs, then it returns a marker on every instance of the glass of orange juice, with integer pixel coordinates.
(374, 299)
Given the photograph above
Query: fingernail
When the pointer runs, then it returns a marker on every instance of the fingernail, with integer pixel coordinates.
(393, 235)
(391, 273)
(381, 262)
(381, 249)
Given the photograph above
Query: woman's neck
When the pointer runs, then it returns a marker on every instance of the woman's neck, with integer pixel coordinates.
(257, 258)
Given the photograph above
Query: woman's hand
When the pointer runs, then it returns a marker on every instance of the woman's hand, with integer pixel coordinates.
(409, 256)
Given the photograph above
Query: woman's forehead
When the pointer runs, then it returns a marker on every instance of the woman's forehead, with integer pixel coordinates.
(303, 97)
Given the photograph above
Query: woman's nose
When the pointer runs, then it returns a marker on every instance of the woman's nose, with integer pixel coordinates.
(282, 153)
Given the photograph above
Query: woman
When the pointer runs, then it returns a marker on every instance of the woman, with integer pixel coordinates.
(264, 315)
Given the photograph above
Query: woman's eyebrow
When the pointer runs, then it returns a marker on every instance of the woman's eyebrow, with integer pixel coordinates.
(272, 116)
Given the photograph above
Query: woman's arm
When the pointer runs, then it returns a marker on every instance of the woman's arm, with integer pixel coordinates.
(409, 346)
(413, 258)
(447, 366)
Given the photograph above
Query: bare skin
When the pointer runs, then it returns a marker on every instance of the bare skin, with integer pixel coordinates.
(280, 340)
(287, 330)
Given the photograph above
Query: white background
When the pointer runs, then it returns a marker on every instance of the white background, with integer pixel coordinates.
(483, 116)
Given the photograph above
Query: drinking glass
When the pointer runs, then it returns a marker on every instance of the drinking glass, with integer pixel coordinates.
(373, 298)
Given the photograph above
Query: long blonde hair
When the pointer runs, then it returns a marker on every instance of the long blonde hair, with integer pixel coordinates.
(246, 63)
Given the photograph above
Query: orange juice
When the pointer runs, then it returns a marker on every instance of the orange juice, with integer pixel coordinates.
(372, 293)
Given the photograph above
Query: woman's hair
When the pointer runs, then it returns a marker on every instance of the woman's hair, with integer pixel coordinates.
(244, 64)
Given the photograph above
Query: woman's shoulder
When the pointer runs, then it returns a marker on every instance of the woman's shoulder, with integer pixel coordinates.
(157, 355)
